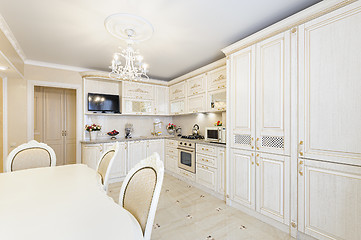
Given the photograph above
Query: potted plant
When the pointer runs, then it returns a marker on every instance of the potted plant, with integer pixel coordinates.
(93, 131)
(171, 128)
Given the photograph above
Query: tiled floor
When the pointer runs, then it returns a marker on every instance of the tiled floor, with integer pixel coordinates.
(187, 213)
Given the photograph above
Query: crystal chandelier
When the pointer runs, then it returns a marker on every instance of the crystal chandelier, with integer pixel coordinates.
(133, 68)
(127, 64)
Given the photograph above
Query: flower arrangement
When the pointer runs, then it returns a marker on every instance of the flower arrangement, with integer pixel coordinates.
(93, 127)
(218, 123)
(171, 126)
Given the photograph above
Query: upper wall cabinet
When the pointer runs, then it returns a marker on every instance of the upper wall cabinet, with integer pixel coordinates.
(329, 86)
(217, 79)
(177, 91)
(196, 85)
(242, 92)
(138, 91)
(161, 100)
(273, 94)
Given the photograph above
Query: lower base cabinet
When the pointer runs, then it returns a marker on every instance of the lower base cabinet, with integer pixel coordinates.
(91, 154)
(206, 176)
(329, 200)
(171, 163)
(137, 151)
(260, 182)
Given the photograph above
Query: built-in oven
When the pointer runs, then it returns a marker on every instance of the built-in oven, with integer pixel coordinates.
(187, 156)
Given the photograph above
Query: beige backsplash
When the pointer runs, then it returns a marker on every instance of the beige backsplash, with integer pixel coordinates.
(204, 120)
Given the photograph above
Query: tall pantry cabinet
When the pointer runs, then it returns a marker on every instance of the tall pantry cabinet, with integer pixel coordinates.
(329, 154)
(296, 158)
(260, 127)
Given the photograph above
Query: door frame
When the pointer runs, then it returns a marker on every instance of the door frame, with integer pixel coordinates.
(79, 116)
(5, 117)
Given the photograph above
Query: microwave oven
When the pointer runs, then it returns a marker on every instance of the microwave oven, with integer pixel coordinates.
(216, 134)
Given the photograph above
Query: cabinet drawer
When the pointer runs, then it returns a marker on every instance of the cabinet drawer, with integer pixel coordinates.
(207, 160)
(186, 174)
(171, 143)
(171, 163)
(171, 151)
(206, 176)
(206, 149)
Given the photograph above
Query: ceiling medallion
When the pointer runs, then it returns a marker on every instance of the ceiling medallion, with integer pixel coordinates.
(132, 29)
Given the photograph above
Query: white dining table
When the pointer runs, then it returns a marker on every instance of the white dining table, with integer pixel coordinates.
(63, 202)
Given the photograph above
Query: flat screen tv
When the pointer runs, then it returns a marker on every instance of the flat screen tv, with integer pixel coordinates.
(103, 103)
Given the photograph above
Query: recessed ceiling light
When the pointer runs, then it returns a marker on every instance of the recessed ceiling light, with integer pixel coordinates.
(3, 68)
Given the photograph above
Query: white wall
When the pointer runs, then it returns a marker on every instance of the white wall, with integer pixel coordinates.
(204, 120)
(143, 125)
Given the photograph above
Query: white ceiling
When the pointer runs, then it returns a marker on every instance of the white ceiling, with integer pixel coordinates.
(188, 34)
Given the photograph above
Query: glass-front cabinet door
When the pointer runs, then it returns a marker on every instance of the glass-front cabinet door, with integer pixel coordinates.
(217, 100)
(132, 106)
(177, 107)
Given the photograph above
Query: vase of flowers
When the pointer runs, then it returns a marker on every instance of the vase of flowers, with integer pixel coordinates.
(171, 128)
(93, 131)
(218, 123)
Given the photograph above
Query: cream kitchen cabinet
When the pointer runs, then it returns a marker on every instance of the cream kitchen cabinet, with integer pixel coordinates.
(329, 200)
(242, 178)
(161, 100)
(206, 176)
(197, 103)
(272, 186)
(156, 146)
(262, 72)
(329, 87)
(196, 85)
(178, 107)
(216, 79)
(119, 168)
(217, 100)
(273, 94)
(91, 154)
(171, 155)
(221, 171)
(136, 90)
(242, 97)
(177, 91)
(139, 107)
(137, 151)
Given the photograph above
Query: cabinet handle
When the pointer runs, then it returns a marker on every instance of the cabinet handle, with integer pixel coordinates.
(257, 160)
(257, 143)
(300, 168)
(300, 146)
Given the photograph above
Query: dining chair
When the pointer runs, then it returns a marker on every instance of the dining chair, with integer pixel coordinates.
(105, 164)
(140, 192)
(30, 155)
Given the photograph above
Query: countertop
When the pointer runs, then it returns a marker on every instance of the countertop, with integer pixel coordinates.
(141, 138)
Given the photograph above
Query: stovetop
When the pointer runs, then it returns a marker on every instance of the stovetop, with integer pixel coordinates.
(193, 137)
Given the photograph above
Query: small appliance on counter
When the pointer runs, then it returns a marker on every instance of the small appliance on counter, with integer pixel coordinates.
(179, 131)
(195, 129)
(216, 134)
(128, 130)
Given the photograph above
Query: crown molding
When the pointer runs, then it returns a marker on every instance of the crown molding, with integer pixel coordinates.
(4, 27)
(100, 75)
(293, 21)
(56, 66)
(207, 68)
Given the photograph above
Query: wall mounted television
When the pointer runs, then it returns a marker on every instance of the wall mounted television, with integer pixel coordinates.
(103, 103)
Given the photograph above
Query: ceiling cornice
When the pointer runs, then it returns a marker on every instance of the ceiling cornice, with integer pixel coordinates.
(293, 21)
(56, 66)
(4, 27)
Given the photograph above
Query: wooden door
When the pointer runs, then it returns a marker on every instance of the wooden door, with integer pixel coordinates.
(272, 186)
(273, 94)
(329, 200)
(242, 178)
(196, 85)
(329, 86)
(137, 151)
(53, 122)
(38, 113)
(156, 146)
(70, 126)
(242, 95)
